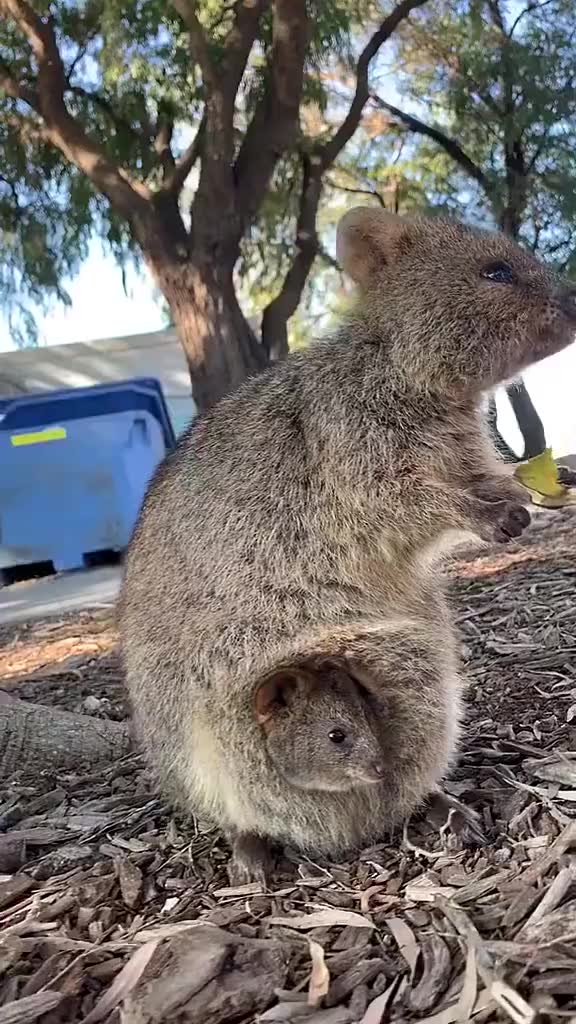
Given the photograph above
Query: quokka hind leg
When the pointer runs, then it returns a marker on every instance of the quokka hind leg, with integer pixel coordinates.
(252, 859)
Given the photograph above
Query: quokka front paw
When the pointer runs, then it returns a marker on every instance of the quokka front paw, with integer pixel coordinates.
(510, 521)
(498, 521)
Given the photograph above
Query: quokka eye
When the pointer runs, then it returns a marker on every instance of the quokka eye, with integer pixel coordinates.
(499, 271)
(337, 736)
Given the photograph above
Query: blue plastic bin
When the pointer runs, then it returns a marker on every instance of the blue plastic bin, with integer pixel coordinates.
(74, 468)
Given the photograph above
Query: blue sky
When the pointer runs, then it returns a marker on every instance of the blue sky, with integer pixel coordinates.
(100, 306)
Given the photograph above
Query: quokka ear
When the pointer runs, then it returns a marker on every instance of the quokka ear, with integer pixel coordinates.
(367, 239)
(279, 691)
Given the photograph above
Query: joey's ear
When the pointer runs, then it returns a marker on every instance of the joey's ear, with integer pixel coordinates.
(351, 671)
(279, 691)
(367, 239)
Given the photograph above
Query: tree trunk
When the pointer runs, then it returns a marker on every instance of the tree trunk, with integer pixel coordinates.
(502, 447)
(527, 418)
(220, 347)
(34, 738)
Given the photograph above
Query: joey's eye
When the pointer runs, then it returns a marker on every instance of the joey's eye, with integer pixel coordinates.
(499, 271)
(337, 736)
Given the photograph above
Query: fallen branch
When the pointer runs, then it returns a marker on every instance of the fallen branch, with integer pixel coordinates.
(34, 737)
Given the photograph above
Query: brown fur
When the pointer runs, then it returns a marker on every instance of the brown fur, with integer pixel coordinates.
(302, 518)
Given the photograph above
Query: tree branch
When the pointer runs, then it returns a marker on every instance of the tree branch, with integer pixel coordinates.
(62, 130)
(239, 42)
(527, 10)
(32, 734)
(516, 188)
(158, 135)
(497, 16)
(359, 191)
(197, 39)
(512, 208)
(284, 305)
(362, 94)
(174, 181)
(274, 125)
(315, 164)
(120, 124)
(17, 90)
(216, 185)
(449, 145)
(163, 144)
(330, 260)
(227, 76)
(27, 129)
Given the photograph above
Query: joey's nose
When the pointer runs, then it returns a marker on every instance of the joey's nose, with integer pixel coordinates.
(370, 771)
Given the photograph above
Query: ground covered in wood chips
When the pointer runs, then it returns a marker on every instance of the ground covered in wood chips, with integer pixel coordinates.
(111, 910)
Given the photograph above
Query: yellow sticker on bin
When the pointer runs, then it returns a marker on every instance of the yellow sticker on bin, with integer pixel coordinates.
(39, 436)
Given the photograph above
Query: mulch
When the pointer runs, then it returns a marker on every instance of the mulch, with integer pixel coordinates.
(114, 910)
